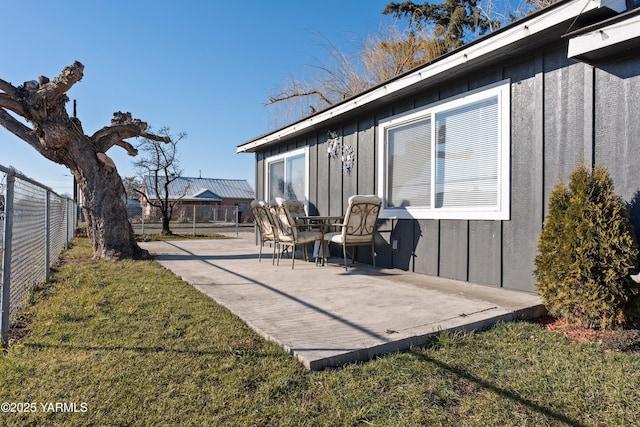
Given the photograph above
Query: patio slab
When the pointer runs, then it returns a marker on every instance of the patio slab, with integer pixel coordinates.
(328, 317)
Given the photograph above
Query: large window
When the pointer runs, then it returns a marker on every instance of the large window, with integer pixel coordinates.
(449, 159)
(286, 176)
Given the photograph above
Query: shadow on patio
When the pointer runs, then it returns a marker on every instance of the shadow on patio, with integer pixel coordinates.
(328, 317)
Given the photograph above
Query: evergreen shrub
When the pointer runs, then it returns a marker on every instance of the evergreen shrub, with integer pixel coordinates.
(586, 253)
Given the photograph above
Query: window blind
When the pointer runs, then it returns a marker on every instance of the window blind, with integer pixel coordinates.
(467, 155)
(409, 164)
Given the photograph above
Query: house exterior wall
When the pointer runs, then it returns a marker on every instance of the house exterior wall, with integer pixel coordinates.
(562, 113)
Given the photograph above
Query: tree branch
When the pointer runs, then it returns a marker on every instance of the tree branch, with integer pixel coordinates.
(61, 84)
(154, 137)
(9, 102)
(18, 129)
(123, 126)
(285, 96)
(7, 87)
(26, 134)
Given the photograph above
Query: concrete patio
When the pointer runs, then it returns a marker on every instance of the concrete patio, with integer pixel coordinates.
(328, 317)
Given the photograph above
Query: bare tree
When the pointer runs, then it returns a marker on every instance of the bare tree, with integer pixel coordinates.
(527, 7)
(382, 55)
(433, 30)
(60, 138)
(159, 162)
(392, 52)
(336, 78)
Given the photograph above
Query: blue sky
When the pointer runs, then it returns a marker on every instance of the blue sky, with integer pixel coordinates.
(202, 67)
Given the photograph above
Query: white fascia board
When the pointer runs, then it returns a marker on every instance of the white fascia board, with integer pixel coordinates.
(519, 32)
(601, 38)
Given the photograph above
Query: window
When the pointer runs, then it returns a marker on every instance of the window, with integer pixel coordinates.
(286, 176)
(448, 160)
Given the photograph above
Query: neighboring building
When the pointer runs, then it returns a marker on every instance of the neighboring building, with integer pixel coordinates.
(215, 199)
(465, 150)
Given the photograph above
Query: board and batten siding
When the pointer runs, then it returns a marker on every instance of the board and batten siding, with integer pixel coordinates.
(563, 113)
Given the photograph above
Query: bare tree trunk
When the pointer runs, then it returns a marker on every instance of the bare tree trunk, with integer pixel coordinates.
(60, 138)
(104, 204)
(166, 231)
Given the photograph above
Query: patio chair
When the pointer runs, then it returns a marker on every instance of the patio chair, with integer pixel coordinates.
(291, 233)
(296, 208)
(358, 227)
(266, 226)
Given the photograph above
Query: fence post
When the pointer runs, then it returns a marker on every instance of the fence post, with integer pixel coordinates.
(6, 259)
(47, 235)
(236, 214)
(68, 218)
(194, 220)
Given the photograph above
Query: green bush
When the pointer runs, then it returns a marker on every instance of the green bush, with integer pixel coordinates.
(586, 253)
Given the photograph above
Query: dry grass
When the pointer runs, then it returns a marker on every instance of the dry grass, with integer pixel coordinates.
(138, 346)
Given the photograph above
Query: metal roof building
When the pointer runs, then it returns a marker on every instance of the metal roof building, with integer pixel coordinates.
(205, 189)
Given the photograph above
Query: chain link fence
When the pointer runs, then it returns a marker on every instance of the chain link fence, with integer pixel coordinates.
(35, 225)
(191, 217)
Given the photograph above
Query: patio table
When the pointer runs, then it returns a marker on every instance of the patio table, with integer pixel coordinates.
(324, 222)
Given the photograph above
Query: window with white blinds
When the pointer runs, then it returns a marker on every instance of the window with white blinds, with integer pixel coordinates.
(409, 164)
(449, 159)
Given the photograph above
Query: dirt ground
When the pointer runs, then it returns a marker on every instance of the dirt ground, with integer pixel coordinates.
(623, 340)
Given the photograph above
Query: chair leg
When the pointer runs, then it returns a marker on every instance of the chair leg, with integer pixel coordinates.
(260, 250)
(344, 254)
(273, 256)
(293, 255)
(373, 254)
(279, 249)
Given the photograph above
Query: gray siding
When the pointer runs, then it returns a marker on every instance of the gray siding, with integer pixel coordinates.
(617, 130)
(520, 234)
(562, 113)
(485, 252)
(564, 117)
(454, 245)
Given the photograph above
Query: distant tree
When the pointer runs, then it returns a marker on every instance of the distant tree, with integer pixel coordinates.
(453, 19)
(528, 7)
(433, 30)
(61, 139)
(161, 164)
(390, 53)
(336, 78)
(382, 56)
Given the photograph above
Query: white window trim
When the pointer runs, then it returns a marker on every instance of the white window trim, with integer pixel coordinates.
(284, 156)
(500, 89)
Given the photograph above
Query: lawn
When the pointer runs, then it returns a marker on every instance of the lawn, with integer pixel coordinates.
(129, 343)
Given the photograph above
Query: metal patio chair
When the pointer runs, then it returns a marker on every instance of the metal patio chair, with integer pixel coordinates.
(266, 226)
(291, 233)
(358, 227)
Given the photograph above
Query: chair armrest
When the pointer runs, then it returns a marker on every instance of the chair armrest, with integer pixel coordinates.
(335, 226)
(305, 226)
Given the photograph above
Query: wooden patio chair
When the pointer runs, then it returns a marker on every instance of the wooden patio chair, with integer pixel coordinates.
(358, 227)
